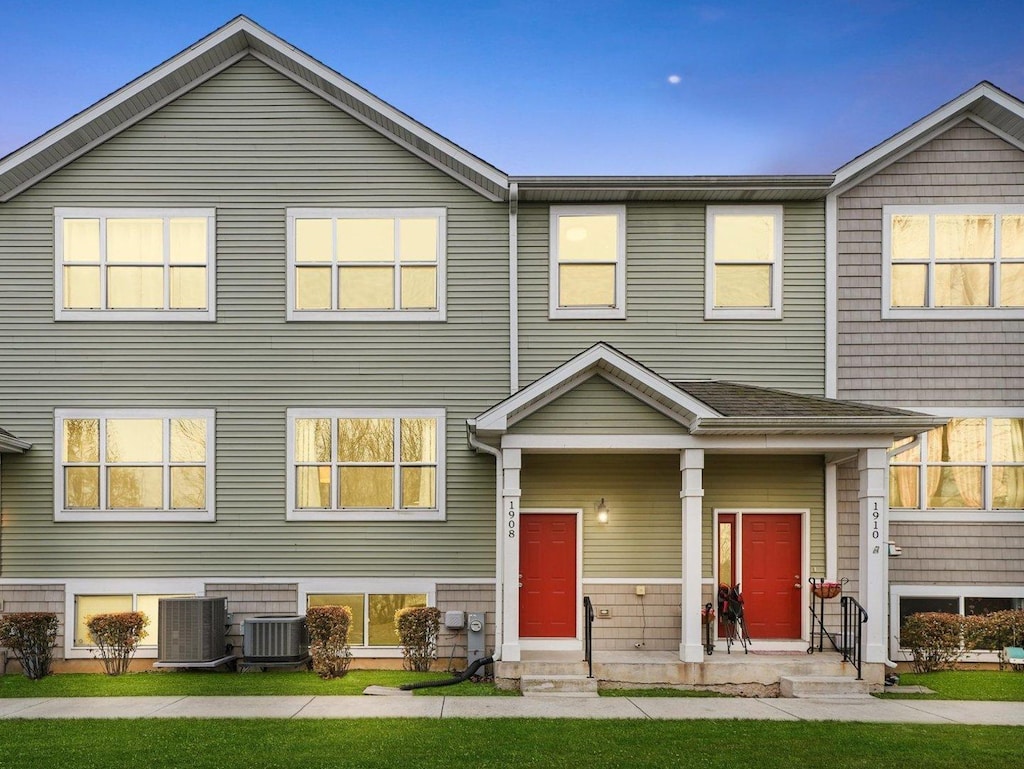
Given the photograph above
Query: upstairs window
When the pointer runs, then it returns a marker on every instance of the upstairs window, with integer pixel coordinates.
(381, 264)
(134, 264)
(588, 262)
(743, 277)
(953, 261)
(360, 464)
(968, 464)
(134, 465)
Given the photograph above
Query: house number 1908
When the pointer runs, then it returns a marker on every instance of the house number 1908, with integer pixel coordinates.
(511, 520)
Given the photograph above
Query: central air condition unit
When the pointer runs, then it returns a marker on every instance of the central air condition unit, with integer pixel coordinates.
(191, 629)
(275, 639)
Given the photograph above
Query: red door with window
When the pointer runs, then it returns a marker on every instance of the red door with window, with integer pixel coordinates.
(771, 585)
(547, 565)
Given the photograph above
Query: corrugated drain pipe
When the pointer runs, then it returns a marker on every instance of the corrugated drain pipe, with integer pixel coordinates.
(463, 676)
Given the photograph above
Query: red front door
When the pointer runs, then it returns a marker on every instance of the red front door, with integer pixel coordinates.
(547, 563)
(771, 583)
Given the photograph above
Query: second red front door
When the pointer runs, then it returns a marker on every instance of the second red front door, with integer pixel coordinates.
(547, 564)
(772, 583)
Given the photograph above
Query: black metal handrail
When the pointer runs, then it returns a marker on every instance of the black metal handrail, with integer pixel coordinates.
(852, 637)
(588, 635)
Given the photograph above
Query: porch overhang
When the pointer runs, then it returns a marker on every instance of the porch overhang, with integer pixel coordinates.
(11, 444)
(897, 427)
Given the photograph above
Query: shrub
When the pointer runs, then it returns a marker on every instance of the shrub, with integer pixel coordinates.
(417, 628)
(31, 636)
(328, 628)
(117, 638)
(935, 640)
(995, 631)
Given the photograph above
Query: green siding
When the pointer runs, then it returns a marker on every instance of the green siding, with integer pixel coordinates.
(665, 327)
(755, 482)
(643, 536)
(250, 143)
(597, 406)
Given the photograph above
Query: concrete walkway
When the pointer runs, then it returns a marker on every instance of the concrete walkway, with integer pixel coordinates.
(866, 709)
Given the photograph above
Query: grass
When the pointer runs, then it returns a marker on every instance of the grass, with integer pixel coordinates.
(1001, 685)
(660, 691)
(208, 683)
(484, 743)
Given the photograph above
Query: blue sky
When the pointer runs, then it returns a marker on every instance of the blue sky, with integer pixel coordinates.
(566, 87)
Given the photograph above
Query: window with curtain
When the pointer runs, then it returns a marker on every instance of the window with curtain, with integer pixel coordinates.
(974, 463)
(359, 463)
(954, 258)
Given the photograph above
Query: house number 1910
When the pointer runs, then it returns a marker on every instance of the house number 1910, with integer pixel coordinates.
(875, 533)
(511, 520)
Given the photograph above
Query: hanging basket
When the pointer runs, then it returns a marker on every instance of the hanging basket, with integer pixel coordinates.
(827, 589)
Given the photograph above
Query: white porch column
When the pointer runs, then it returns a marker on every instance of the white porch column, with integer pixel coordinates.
(874, 554)
(691, 465)
(511, 463)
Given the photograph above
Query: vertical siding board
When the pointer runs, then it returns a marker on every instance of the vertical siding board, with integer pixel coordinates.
(250, 143)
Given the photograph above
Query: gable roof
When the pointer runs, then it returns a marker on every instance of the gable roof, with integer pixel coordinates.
(199, 62)
(704, 407)
(985, 104)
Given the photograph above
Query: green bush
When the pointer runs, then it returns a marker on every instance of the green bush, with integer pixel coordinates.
(417, 628)
(995, 631)
(935, 640)
(117, 638)
(31, 636)
(328, 628)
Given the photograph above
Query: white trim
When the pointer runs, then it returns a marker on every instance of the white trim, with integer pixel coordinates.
(513, 287)
(439, 314)
(118, 586)
(558, 643)
(774, 311)
(831, 522)
(930, 311)
(235, 579)
(103, 514)
(752, 443)
(640, 580)
(805, 556)
(168, 314)
(334, 513)
(852, 171)
(831, 295)
(906, 515)
(556, 311)
(900, 591)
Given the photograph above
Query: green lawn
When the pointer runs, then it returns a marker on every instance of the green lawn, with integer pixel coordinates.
(208, 683)
(1003, 685)
(520, 743)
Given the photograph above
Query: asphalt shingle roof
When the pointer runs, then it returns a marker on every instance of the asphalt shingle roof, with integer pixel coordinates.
(740, 400)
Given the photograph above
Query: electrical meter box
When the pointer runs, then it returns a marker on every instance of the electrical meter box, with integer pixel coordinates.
(475, 629)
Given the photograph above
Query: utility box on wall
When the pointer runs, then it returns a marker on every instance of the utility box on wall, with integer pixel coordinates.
(476, 629)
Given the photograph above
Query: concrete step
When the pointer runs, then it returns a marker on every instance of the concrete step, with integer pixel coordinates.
(552, 668)
(558, 686)
(822, 686)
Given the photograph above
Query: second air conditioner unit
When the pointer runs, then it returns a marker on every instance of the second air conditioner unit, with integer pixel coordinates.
(274, 638)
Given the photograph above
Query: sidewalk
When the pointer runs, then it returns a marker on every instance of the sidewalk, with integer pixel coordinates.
(866, 709)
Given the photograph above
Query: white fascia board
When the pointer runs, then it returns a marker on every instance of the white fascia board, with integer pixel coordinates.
(496, 419)
(11, 445)
(948, 112)
(909, 425)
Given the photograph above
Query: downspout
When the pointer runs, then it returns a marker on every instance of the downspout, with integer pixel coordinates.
(513, 288)
(499, 553)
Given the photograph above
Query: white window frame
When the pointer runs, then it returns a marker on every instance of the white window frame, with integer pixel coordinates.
(946, 515)
(139, 516)
(556, 311)
(774, 312)
(133, 587)
(944, 313)
(437, 513)
(103, 214)
(439, 314)
(366, 587)
(961, 592)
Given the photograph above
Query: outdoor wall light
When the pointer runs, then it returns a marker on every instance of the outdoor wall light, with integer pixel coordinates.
(602, 511)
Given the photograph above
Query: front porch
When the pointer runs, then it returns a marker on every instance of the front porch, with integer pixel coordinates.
(757, 674)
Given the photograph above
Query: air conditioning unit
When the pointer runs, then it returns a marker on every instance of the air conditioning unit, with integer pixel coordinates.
(274, 638)
(192, 629)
